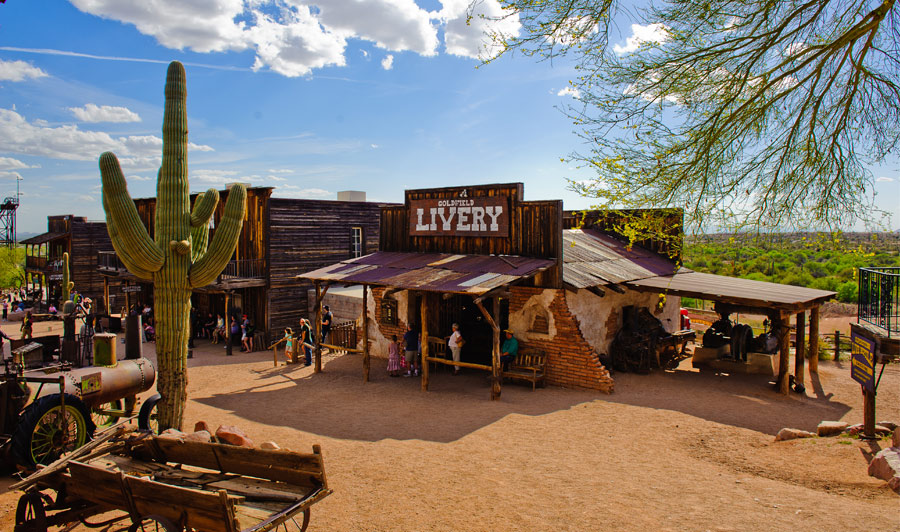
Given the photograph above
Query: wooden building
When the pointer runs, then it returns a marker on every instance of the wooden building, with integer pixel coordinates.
(82, 240)
(484, 258)
(280, 238)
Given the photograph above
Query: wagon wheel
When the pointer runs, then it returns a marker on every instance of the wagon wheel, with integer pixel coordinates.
(155, 523)
(305, 520)
(43, 433)
(101, 418)
(30, 514)
(148, 416)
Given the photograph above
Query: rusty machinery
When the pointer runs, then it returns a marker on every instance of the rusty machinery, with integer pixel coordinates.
(643, 344)
(48, 411)
(738, 338)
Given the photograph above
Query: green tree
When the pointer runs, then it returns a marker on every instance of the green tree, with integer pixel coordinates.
(755, 113)
(12, 267)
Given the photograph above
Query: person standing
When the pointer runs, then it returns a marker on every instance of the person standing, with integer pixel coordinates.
(327, 320)
(27, 324)
(245, 326)
(411, 341)
(306, 340)
(394, 357)
(5, 308)
(455, 343)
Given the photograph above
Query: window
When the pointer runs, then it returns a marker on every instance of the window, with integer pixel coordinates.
(389, 311)
(357, 243)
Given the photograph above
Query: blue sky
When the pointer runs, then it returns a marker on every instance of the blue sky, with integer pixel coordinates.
(379, 96)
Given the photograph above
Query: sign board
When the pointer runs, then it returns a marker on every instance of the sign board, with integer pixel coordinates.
(56, 277)
(92, 383)
(131, 289)
(862, 361)
(461, 216)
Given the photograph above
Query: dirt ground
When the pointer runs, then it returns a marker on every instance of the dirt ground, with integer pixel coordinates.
(672, 451)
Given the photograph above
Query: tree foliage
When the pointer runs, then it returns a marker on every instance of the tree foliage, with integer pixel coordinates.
(761, 113)
(12, 267)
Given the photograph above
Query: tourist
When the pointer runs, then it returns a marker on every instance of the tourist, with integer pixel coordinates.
(306, 340)
(149, 332)
(209, 325)
(235, 331)
(219, 331)
(394, 357)
(509, 349)
(27, 325)
(52, 310)
(2, 336)
(326, 323)
(245, 323)
(455, 343)
(5, 308)
(411, 340)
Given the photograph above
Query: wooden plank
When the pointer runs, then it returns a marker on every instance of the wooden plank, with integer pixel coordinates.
(260, 490)
(424, 341)
(198, 509)
(800, 350)
(471, 365)
(365, 328)
(814, 340)
(782, 326)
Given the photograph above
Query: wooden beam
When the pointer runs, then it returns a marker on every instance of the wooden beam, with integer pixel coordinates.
(495, 351)
(800, 352)
(321, 289)
(424, 341)
(616, 288)
(782, 326)
(500, 291)
(228, 323)
(365, 328)
(450, 362)
(814, 340)
(596, 290)
(391, 291)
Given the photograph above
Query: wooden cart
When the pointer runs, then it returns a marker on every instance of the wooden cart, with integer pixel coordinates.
(173, 485)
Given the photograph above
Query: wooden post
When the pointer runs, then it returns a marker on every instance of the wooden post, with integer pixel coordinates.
(105, 295)
(228, 323)
(800, 352)
(424, 339)
(837, 345)
(127, 301)
(318, 350)
(365, 328)
(495, 351)
(784, 352)
(814, 340)
(868, 432)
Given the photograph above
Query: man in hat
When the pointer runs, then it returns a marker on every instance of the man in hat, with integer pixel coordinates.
(509, 349)
(327, 320)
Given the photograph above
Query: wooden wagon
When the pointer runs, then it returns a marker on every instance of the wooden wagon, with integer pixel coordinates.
(174, 485)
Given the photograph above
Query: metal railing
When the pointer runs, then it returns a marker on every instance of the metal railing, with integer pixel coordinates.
(244, 269)
(878, 299)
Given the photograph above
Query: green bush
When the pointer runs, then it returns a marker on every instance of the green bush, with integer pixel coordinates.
(847, 292)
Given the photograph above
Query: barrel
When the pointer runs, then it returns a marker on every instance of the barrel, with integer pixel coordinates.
(103, 384)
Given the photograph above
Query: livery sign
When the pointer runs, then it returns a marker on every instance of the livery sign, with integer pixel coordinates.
(462, 216)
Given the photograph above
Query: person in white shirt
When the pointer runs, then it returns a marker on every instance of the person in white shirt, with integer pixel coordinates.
(455, 344)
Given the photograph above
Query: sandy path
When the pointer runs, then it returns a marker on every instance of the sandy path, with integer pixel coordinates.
(680, 450)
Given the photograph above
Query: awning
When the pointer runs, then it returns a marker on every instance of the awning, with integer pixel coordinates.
(432, 272)
(592, 258)
(735, 291)
(42, 239)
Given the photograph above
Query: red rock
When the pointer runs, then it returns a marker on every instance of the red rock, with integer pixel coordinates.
(201, 425)
(172, 434)
(234, 436)
(272, 446)
(200, 435)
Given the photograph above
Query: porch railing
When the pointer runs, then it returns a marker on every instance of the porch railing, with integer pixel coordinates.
(244, 269)
(37, 263)
(108, 260)
(343, 335)
(878, 299)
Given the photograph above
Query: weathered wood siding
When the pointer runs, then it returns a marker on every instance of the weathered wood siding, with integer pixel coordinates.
(535, 229)
(305, 235)
(87, 239)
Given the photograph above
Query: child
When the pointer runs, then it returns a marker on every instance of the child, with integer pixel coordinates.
(394, 357)
(27, 324)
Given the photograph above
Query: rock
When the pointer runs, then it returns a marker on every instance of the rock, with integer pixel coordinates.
(172, 434)
(895, 439)
(886, 464)
(201, 425)
(200, 435)
(234, 436)
(272, 446)
(894, 484)
(858, 429)
(831, 428)
(792, 434)
(888, 424)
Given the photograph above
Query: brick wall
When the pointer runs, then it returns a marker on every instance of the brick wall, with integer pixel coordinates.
(571, 360)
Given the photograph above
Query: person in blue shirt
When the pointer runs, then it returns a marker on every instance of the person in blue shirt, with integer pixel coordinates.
(509, 349)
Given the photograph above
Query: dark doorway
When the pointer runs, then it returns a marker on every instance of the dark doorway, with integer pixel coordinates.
(472, 325)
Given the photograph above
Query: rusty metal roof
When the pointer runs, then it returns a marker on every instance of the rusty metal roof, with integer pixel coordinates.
(735, 290)
(434, 272)
(592, 258)
(42, 238)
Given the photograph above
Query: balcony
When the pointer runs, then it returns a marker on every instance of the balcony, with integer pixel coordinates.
(109, 261)
(878, 300)
(36, 263)
(245, 272)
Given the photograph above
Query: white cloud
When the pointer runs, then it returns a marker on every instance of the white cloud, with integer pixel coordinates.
(217, 177)
(884, 179)
(138, 178)
(105, 113)
(396, 25)
(277, 178)
(569, 91)
(651, 33)
(573, 30)
(374, 146)
(294, 191)
(70, 143)
(470, 37)
(388, 62)
(280, 170)
(19, 71)
(8, 163)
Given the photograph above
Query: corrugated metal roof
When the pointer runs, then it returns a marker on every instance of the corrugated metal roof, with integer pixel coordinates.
(42, 238)
(592, 258)
(434, 272)
(734, 290)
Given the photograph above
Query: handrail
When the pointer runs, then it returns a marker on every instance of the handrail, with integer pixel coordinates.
(878, 298)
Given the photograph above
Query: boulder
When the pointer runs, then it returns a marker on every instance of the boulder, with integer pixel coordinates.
(172, 434)
(234, 436)
(270, 445)
(886, 464)
(858, 429)
(894, 484)
(792, 434)
(200, 435)
(831, 428)
(201, 425)
(888, 424)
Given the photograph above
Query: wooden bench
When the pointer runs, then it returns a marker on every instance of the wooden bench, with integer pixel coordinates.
(529, 367)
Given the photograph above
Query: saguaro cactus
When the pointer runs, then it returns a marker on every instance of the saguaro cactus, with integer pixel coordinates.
(177, 259)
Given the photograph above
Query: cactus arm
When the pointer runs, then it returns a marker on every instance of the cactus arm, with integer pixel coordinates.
(211, 264)
(132, 236)
(126, 259)
(204, 207)
(68, 285)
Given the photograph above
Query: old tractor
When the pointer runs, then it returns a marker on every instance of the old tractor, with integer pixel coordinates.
(48, 411)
